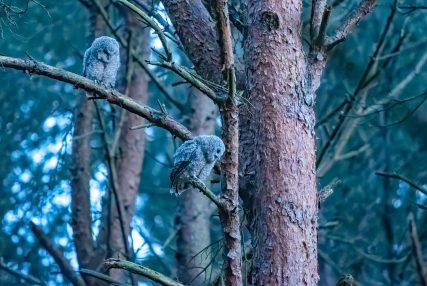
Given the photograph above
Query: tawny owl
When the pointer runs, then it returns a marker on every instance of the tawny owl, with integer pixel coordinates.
(195, 158)
(102, 61)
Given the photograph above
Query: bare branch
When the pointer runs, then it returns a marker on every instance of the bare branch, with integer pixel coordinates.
(402, 178)
(416, 246)
(21, 276)
(351, 22)
(141, 270)
(317, 8)
(86, 3)
(112, 96)
(223, 24)
(150, 22)
(398, 89)
(190, 77)
(101, 276)
(57, 255)
(349, 103)
(205, 191)
(410, 9)
(320, 39)
(114, 180)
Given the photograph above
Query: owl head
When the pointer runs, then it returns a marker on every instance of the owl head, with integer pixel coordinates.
(106, 48)
(212, 147)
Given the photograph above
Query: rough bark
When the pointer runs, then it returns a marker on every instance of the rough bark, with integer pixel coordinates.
(278, 150)
(197, 32)
(194, 209)
(229, 213)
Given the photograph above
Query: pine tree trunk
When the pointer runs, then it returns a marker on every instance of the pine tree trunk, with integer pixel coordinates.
(278, 147)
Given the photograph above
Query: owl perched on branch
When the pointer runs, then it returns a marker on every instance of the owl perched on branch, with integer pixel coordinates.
(102, 61)
(195, 159)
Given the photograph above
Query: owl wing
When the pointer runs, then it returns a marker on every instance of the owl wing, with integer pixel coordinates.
(85, 61)
(177, 170)
(183, 157)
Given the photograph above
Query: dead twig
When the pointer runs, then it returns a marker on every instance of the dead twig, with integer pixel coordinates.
(141, 270)
(58, 255)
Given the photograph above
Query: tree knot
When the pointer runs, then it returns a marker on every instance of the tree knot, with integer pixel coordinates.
(270, 20)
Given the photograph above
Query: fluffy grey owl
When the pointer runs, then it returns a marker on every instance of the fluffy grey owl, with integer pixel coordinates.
(102, 61)
(195, 158)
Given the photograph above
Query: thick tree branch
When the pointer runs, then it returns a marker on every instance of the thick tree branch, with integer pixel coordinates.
(114, 97)
(57, 255)
(141, 270)
(351, 22)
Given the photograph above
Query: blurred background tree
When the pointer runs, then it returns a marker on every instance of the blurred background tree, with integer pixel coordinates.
(371, 148)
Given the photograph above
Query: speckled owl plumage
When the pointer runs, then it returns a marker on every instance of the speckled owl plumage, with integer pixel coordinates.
(195, 158)
(102, 61)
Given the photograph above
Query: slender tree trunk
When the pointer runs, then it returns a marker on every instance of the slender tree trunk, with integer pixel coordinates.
(194, 210)
(278, 148)
(80, 175)
(130, 151)
(81, 168)
(126, 165)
